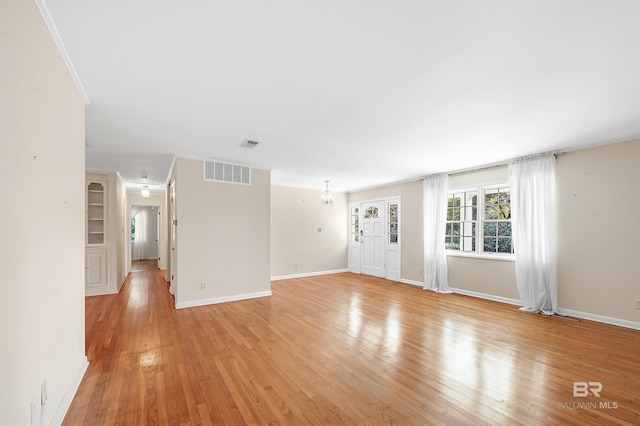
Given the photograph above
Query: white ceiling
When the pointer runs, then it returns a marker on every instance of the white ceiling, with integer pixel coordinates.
(359, 92)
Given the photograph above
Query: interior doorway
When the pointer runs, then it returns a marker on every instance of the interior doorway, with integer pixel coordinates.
(145, 232)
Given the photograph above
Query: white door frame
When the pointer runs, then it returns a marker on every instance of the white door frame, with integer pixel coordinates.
(393, 251)
(173, 241)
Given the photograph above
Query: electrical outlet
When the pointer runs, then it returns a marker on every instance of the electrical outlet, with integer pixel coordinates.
(203, 286)
(637, 303)
(34, 410)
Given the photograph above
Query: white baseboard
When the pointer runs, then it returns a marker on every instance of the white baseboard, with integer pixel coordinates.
(600, 318)
(308, 274)
(411, 282)
(487, 296)
(99, 291)
(577, 314)
(216, 300)
(61, 412)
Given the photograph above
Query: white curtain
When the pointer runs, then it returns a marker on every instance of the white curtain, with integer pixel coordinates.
(534, 231)
(140, 236)
(436, 190)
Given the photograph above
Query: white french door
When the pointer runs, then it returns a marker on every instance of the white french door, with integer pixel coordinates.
(372, 238)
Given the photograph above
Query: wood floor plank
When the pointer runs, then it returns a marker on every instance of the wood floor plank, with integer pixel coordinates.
(347, 349)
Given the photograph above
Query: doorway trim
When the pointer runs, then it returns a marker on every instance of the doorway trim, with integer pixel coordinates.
(392, 250)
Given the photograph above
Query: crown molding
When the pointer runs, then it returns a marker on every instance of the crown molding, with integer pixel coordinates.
(46, 15)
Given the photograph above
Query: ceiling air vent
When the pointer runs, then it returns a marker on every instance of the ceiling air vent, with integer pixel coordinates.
(248, 143)
(217, 171)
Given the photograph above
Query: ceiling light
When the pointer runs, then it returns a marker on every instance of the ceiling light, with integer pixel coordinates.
(145, 191)
(326, 198)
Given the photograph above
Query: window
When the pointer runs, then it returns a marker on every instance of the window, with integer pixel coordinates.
(462, 212)
(392, 226)
(497, 221)
(355, 225)
(479, 221)
(133, 229)
(371, 213)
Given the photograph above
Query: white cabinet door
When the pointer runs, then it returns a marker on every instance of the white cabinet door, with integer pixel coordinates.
(96, 268)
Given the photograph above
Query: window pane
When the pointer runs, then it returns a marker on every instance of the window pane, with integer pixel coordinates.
(505, 211)
(491, 197)
(355, 226)
(490, 244)
(504, 245)
(466, 229)
(393, 238)
(451, 244)
(504, 196)
(462, 212)
(504, 229)
(490, 229)
(468, 244)
(491, 212)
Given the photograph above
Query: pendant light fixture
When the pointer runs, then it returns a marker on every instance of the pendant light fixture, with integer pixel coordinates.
(145, 191)
(326, 199)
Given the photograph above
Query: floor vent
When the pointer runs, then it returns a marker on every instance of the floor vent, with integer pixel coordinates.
(218, 171)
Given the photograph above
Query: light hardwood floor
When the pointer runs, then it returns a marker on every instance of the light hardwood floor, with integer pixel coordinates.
(347, 349)
(144, 265)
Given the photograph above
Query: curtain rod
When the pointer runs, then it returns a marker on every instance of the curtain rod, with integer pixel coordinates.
(497, 164)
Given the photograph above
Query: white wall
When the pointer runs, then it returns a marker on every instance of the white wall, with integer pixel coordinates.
(42, 219)
(297, 247)
(223, 236)
(598, 236)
